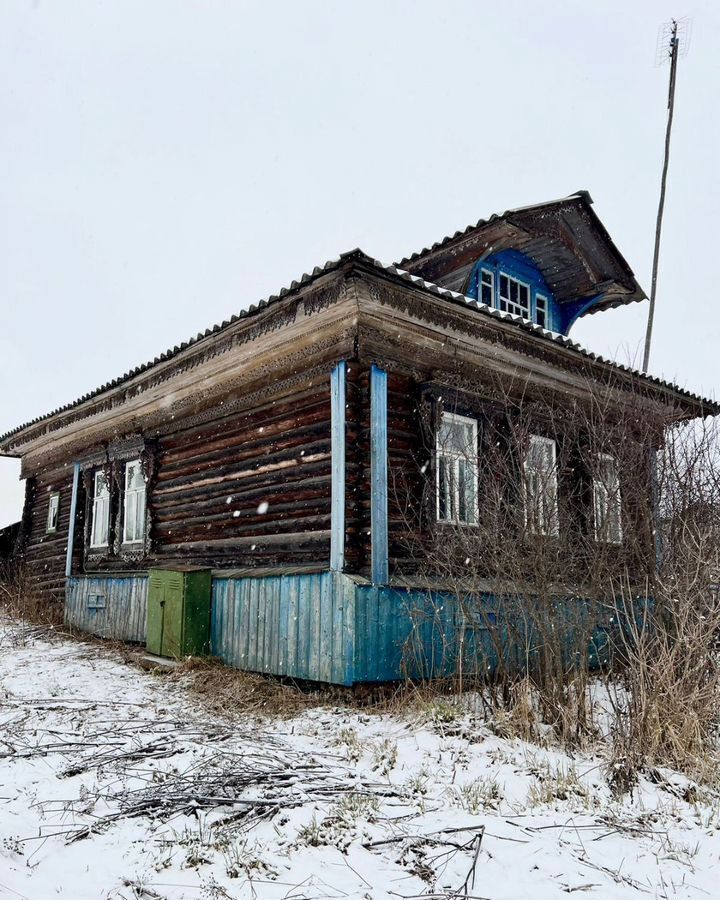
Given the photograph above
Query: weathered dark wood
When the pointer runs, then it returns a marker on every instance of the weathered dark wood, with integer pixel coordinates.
(44, 554)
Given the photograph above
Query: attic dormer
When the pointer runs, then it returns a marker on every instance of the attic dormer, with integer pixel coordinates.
(511, 282)
(550, 263)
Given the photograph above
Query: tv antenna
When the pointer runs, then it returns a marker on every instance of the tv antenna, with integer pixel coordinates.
(673, 42)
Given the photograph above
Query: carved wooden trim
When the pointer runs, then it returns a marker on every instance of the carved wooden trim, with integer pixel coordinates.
(277, 316)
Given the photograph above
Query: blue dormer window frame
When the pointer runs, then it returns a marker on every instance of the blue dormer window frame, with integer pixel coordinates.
(510, 282)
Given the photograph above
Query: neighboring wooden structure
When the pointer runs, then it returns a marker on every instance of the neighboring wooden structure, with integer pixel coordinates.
(8, 541)
(265, 449)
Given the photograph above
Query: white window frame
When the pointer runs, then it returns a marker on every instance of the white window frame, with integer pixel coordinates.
(501, 299)
(548, 523)
(127, 494)
(546, 310)
(607, 496)
(53, 514)
(97, 503)
(453, 458)
(491, 275)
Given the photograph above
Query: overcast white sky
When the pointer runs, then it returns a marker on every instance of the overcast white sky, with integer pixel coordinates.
(165, 164)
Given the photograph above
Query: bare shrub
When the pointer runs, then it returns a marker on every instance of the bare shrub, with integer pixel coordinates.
(666, 697)
(537, 542)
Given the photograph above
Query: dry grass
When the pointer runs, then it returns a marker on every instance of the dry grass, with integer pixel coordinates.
(230, 692)
(19, 599)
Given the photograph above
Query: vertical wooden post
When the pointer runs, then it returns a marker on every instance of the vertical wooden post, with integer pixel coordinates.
(378, 476)
(71, 527)
(337, 442)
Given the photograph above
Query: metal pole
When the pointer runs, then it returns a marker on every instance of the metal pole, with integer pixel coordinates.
(671, 106)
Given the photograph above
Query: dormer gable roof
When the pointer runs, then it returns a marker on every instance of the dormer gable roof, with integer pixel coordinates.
(565, 239)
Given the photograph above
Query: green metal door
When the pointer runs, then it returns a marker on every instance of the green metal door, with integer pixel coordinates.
(178, 612)
(173, 615)
(155, 613)
(196, 635)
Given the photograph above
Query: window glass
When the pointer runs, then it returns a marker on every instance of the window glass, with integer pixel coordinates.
(540, 477)
(456, 463)
(514, 296)
(607, 505)
(53, 512)
(541, 310)
(100, 511)
(134, 504)
(487, 285)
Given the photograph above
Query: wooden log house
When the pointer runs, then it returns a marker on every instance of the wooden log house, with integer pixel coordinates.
(266, 449)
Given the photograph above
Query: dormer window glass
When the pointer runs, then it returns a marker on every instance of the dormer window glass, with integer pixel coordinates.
(514, 296)
(511, 283)
(541, 310)
(487, 287)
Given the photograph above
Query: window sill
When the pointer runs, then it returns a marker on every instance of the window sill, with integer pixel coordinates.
(447, 523)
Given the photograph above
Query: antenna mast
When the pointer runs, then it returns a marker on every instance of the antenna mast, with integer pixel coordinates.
(669, 41)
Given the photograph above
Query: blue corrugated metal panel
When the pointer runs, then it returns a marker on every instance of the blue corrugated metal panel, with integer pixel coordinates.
(337, 515)
(427, 634)
(401, 633)
(113, 607)
(325, 627)
(301, 626)
(378, 476)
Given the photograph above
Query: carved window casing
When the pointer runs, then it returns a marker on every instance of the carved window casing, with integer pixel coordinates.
(117, 515)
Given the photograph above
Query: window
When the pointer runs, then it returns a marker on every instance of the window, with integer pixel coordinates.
(96, 601)
(456, 475)
(541, 501)
(606, 500)
(541, 310)
(100, 522)
(514, 296)
(134, 505)
(53, 513)
(487, 287)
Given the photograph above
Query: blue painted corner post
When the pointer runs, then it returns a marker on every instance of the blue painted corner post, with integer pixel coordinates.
(71, 527)
(378, 476)
(337, 442)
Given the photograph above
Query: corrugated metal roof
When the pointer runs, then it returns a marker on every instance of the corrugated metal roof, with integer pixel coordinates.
(481, 223)
(594, 267)
(358, 256)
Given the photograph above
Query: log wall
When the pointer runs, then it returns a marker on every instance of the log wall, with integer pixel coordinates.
(252, 489)
(43, 553)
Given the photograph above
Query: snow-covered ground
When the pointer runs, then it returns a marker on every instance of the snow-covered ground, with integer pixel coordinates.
(115, 782)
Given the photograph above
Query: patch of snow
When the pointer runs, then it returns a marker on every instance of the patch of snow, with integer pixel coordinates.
(335, 802)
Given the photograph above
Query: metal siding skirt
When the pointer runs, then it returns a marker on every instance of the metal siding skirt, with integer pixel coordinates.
(123, 616)
(300, 626)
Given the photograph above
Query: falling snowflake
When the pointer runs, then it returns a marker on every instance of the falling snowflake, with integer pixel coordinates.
(262, 508)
